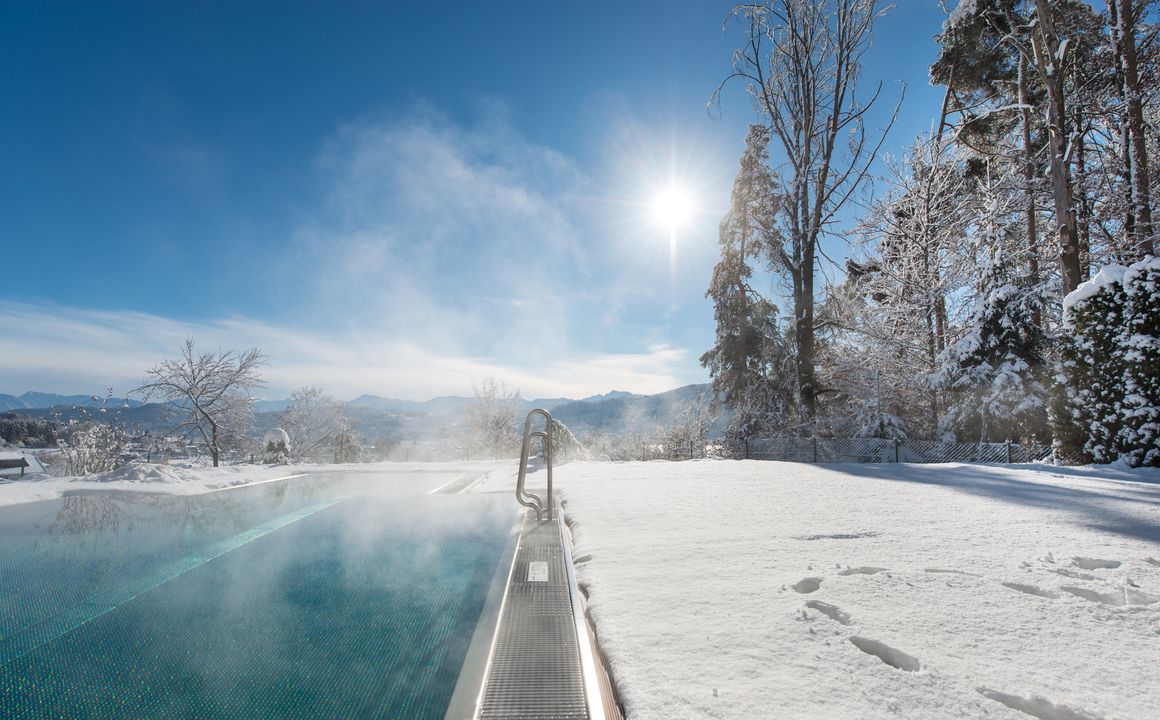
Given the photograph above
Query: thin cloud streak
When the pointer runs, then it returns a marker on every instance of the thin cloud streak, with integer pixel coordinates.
(71, 350)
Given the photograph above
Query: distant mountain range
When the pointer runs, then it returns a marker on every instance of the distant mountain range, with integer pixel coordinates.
(39, 400)
(612, 413)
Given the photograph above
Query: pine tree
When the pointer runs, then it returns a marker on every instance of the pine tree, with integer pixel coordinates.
(1138, 439)
(740, 360)
(1092, 363)
(993, 371)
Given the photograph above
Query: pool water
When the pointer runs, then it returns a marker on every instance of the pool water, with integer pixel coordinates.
(330, 598)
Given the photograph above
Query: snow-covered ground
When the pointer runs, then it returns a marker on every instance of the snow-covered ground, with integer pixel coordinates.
(179, 480)
(725, 589)
(143, 477)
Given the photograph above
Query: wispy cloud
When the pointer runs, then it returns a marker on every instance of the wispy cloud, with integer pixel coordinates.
(437, 253)
(426, 220)
(85, 351)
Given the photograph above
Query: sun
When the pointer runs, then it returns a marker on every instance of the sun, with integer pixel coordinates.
(672, 208)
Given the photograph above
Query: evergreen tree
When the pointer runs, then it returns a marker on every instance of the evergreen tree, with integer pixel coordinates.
(744, 360)
(993, 371)
(1092, 366)
(1138, 439)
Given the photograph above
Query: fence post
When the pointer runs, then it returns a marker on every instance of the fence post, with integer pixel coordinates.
(815, 443)
(896, 444)
(746, 441)
(1009, 458)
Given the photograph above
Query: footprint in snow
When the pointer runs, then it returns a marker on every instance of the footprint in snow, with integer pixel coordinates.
(893, 657)
(864, 570)
(1115, 598)
(833, 612)
(807, 585)
(1094, 563)
(1032, 590)
(1036, 706)
(1073, 574)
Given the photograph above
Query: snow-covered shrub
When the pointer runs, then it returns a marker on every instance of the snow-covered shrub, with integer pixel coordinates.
(874, 422)
(1092, 361)
(1139, 434)
(276, 447)
(92, 447)
(1111, 361)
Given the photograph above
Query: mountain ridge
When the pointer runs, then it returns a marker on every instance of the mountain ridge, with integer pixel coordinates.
(614, 412)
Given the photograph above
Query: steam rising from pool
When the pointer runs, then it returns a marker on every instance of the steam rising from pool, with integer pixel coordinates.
(362, 606)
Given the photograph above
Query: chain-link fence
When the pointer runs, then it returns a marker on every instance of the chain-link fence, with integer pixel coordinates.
(878, 450)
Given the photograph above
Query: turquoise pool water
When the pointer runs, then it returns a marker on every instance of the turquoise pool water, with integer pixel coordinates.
(301, 599)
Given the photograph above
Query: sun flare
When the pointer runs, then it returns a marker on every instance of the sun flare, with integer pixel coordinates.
(672, 208)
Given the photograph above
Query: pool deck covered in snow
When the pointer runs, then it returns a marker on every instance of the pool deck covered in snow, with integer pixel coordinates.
(725, 589)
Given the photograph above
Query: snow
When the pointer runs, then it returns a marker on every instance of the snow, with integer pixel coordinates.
(1107, 276)
(141, 477)
(744, 589)
(964, 12)
(181, 480)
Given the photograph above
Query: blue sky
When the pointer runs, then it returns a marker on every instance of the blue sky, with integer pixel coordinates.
(396, 198)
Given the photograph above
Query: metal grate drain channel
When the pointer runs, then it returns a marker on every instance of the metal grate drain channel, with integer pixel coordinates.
(535, 671)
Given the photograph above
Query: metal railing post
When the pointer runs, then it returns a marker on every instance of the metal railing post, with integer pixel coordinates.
(524, 497)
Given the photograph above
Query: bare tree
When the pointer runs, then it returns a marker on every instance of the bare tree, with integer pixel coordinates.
(800, 63)
(1124, 16)
(313, 420)
(492, 416)
(211, 392)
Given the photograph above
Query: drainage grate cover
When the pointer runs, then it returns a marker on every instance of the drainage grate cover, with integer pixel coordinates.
(535, 669)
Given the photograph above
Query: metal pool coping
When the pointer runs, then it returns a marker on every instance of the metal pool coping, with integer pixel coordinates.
(533, 655)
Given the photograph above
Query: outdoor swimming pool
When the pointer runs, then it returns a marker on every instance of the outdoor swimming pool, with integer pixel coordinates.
(310, 597)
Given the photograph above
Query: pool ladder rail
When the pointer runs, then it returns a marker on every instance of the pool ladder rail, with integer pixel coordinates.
(543, 661)
(523, 496)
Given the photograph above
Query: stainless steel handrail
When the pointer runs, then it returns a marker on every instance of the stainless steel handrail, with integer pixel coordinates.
(529, 499)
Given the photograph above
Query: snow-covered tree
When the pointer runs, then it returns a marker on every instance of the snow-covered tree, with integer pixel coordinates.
(800, 62)
(993, 373)
(685, 437)
(1139, 438)
(742, 316)
(492, 415)
(905, 299)
(312, 419)
(1124, 17)
(209, 392)
(1111, 364)
(348, 444)
(1092, 363)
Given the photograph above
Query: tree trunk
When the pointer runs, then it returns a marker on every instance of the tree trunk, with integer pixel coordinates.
(1049, 61)
(742, 383)
(1083, 209)
(803, 302)
(1129, 210)
(1028, 177)
(1125, 35)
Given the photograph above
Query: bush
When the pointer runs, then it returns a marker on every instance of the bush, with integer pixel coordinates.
(1110, 361)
